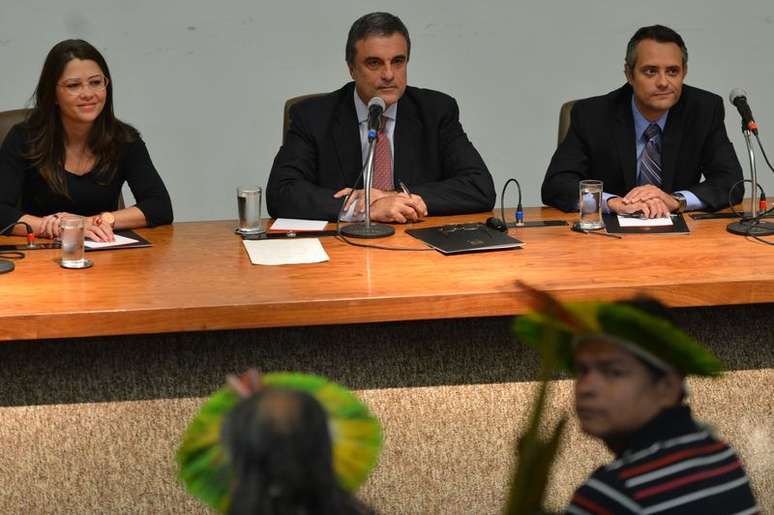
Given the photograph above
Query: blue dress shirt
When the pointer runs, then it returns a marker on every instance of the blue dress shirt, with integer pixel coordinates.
(640, 124)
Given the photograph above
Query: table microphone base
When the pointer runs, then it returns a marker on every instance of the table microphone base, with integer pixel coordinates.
(751, 228)
(361, 230)
(6, 266)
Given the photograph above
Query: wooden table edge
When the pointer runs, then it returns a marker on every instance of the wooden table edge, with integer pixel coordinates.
(352, 311)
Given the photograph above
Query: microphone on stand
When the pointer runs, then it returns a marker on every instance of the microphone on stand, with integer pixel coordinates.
(738, 97)
(367, 229)
(376, 107)
(752, 226)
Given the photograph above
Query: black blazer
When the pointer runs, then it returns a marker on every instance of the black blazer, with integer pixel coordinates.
(600, 145)
(322, 154)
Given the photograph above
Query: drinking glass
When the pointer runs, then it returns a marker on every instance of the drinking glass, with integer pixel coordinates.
(72, 235)
(249, 206)
(590, 205)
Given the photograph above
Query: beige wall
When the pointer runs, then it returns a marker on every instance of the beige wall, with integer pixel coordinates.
(205, 81)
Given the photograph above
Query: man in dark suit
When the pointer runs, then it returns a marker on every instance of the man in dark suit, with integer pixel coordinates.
(421, 144)
(650, 141)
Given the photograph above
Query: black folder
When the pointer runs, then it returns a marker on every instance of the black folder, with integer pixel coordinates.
(678, 226)
(141, 242)
(467, 237)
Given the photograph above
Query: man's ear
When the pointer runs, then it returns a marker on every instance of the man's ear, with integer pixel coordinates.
(628, 74)
(351, 69)
(670, 389)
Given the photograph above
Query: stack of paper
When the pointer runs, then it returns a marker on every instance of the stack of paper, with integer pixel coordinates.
(119, 240)
(285, 251)
(297, 225)
(630, 221)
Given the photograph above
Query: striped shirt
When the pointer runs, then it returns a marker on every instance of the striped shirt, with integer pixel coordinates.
(671, 466)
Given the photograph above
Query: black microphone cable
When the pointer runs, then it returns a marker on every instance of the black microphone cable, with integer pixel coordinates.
(519, 210)
(27, 227)
(346, 199)
(763, 151)
(6, 265)
(741, 215)
(763, 211)
(762, 201)
(753, 219)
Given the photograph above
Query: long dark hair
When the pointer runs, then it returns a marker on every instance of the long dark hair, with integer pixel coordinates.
(44, 124)
(281, 454)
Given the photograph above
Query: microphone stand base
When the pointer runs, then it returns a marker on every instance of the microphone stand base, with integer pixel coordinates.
(6, 266)
(751, 228)
(361, 230)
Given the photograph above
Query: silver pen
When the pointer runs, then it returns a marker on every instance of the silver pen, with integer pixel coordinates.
(609, 235)
(405, 190)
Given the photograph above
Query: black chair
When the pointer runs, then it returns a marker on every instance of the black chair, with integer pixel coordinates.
(564, 120)
(286, 114)
(10, 118)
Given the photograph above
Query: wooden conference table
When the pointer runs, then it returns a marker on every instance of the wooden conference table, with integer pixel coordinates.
(197, 277)
(103, 368)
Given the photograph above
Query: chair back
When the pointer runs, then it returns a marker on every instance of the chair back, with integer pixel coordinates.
(10, 118)
(286, 114)
(564, 120)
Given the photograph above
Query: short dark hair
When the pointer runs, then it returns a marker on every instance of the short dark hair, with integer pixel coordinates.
(658, 33)
(374, 24)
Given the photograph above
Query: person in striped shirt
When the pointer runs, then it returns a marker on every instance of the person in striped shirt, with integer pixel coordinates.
(630, 362)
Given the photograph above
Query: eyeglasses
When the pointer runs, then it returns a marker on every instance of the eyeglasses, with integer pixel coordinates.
(95, 84)
(448, 229)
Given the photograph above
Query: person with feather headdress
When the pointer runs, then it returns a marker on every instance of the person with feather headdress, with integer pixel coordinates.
(630, 363)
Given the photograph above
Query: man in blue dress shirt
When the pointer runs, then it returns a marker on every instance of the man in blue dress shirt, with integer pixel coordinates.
(658, 145)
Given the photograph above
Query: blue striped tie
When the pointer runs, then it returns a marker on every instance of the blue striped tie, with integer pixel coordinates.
(649, 171)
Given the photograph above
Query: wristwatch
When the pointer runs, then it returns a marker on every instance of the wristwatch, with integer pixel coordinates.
(106, 218)
(682, 202)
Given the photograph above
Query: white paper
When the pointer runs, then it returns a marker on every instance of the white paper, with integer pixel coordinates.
(285, 251)
(625, 221)
(297, 225)
(120, 240)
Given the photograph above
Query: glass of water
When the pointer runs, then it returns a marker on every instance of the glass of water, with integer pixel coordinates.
(590, 205)
(72, 235)
(249, 206)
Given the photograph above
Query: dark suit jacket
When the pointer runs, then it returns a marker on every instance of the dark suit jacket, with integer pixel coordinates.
(322, 154)
(600, 145)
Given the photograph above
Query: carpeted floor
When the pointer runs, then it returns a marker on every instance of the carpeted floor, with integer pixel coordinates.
(90, 426)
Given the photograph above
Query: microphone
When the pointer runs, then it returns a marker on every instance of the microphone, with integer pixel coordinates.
(738, 97)
(376, 107)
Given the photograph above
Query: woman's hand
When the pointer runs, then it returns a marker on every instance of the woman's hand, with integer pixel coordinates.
(97, 230)
(49, 226)
(93, 229)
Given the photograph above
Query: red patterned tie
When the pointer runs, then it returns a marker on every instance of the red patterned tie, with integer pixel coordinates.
(383, 160)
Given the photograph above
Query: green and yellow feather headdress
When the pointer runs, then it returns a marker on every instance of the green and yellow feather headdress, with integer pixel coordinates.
(654, 339)
(356, 434)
